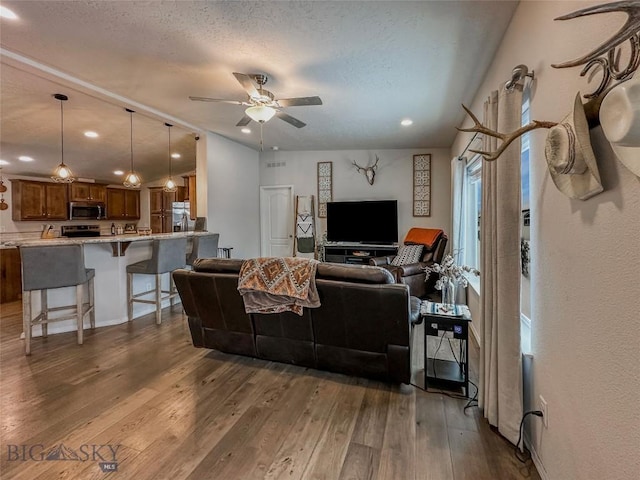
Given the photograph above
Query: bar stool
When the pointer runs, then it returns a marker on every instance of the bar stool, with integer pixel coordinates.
(204, 246)
(50, 267)
(167, 255)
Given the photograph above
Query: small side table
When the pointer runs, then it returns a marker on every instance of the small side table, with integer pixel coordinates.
(443, 318)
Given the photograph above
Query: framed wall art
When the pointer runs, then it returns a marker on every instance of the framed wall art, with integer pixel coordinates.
(422, 185)
(325, 187)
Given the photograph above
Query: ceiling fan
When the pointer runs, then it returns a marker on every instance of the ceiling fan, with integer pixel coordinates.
(262, 103)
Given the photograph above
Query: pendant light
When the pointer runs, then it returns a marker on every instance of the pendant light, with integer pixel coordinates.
(62, 173)
(132, 180)
(169, 185)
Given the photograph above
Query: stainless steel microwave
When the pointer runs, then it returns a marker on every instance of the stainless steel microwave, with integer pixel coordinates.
(87, 211)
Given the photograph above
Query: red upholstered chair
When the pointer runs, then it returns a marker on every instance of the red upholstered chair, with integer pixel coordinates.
(434, 242)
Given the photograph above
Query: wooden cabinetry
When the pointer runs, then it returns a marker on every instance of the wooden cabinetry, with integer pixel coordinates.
(160, 208)
(123, 204)
(38, 200)
(87, 192)
(10, 275)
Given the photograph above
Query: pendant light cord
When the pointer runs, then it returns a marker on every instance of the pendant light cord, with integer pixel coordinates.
(131, 131)
(61, 133)
(169, 126)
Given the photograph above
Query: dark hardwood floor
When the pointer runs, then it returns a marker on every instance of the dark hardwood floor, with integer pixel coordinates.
(171, 411)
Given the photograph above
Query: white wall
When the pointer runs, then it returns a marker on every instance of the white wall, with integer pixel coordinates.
(585, 260)
(232, 193)
(394, 180)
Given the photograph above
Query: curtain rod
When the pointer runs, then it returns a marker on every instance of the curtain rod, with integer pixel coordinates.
(461, 156)
(518, 73)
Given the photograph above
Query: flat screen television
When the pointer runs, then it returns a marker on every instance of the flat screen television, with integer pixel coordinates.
(373, 221)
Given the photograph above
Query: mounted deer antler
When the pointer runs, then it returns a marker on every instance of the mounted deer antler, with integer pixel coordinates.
(506, 138)
(369, 172)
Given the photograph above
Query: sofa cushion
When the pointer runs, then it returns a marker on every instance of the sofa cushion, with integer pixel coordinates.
(353, 273)
(408, 254)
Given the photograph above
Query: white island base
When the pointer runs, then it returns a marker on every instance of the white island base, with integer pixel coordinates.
(110, 282)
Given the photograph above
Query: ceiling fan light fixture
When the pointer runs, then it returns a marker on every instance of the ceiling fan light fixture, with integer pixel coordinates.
(62, 173)
(132, 180)
(260, 113)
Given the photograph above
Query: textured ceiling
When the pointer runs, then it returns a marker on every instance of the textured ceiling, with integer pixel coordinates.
(372, 63)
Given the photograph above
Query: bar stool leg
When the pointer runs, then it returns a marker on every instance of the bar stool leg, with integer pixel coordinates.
(172, 291)
(92, 314)
(79, 315)
(45, 313)
(130, 297)
(26, 321)
(158, 298)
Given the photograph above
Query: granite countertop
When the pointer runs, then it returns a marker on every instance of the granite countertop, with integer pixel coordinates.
(102, 239)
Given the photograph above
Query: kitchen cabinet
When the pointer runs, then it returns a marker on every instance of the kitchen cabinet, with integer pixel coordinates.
(87, 192)
(10, 274)
(123, 204)
(39, 200)
(160, 208)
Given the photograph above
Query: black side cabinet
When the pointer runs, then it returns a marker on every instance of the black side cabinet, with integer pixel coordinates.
(447, 372)
(357, 253)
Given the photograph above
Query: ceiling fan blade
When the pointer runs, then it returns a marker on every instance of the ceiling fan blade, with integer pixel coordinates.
(289, 119)
(207, 99)
(244, 121)
(247, 83)
(300, 101)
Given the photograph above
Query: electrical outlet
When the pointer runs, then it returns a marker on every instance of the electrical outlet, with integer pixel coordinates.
(148, 287)
(542, 406)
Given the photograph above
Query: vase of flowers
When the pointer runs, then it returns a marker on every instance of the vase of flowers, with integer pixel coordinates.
(451, 276)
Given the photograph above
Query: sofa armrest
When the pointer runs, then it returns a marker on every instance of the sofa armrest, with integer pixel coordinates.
(381, 261)
(412, 269)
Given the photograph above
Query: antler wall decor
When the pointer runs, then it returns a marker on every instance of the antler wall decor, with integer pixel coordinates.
(506, 138)
(369, 172)
(607, 55)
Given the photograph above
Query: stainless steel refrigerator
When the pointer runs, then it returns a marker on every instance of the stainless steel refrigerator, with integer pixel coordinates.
(181, 217)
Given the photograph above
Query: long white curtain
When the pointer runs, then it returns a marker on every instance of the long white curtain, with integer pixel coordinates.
(500, 359)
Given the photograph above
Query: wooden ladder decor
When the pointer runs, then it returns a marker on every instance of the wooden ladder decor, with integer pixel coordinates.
(304, 225)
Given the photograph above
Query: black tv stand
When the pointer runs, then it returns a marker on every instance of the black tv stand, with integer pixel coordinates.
(357, 252)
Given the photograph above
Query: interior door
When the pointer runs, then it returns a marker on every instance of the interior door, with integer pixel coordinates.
(276, 221)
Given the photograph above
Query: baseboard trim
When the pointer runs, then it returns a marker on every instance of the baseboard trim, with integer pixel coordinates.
(476, 335)
(536, 459)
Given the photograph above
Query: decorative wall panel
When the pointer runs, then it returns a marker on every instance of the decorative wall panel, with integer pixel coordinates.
(325, 187)
(422, 185)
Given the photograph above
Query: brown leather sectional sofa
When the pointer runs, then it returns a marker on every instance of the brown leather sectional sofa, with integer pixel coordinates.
(361, 328)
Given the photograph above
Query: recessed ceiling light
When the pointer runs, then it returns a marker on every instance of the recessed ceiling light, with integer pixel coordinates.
(4, 162)
(90, 134)
(6, 13)
(118, 172)
(175, 155)
(275, 147)
(246, 130)
(24, 158)
(406, 122)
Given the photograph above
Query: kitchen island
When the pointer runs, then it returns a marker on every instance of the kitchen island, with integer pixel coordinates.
(109, 256)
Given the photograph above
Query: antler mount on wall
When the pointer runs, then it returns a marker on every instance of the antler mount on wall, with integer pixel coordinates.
(368, 172)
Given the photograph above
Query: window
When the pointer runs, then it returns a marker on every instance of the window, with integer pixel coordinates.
(524, 155)
(472, 211)
(525, 284)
